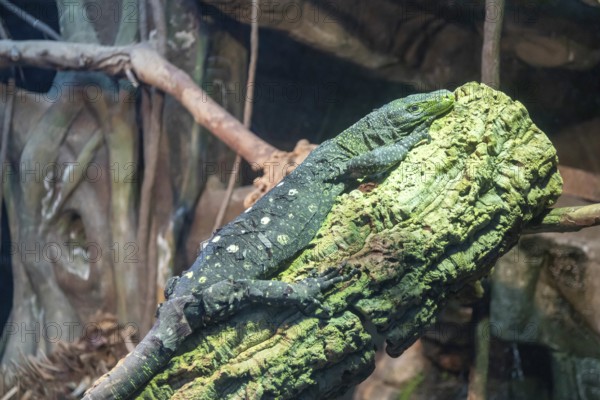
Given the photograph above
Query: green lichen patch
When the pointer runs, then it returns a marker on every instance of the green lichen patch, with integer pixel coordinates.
(437, 222)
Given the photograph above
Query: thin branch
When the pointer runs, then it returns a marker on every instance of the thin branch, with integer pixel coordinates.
(3, 31)
(8, 110)
(490, 75)
(10, 101)
(248, 105)
(490, 54)
(478, 376)
(158, 18)
(143, 20)
(249, 101)
(132, 79)
(151, 154)
(151, 69)
(566, 219)
(31, 20)
(152, 136)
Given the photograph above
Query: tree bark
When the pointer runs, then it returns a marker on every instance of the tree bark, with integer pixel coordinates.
(436, 223)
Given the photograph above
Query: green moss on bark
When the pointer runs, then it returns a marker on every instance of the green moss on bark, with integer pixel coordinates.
(437, 222)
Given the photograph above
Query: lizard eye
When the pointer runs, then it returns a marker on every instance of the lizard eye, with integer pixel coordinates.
(413, 109)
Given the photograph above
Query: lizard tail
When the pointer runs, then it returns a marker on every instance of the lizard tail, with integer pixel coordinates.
(132, 372)
(150, 356)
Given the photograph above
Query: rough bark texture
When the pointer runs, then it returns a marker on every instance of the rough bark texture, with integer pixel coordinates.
(436, 223)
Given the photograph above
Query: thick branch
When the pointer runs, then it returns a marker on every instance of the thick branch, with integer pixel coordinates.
(151, 69)
(437, 222)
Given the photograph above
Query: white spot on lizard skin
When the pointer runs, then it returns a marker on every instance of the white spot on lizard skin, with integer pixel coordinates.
(189, 275)
(265, 220)
(279, 184)
(282, 239)
(312, 208)
(290, 215)
(293, 192)
(232, 248)
(202, 279)
(248, 209)
(216, 239)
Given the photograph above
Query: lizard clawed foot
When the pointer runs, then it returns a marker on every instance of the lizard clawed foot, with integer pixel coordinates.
(316, 285)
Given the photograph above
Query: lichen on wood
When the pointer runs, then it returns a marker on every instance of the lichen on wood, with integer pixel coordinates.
(436, 223)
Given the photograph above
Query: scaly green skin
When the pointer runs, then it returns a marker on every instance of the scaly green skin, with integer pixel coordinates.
(232, 269)
(436, 223)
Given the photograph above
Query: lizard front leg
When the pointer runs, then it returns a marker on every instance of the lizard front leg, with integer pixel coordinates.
(384, 157)
(227, 297)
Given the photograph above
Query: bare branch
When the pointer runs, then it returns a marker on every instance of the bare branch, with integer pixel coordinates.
(566, 219)
(8, 110)
(249, 101)
(10, 101)
(143, 20)
(151, 69)
(490, 54)
(3, 31)
(153, 102)
(158, 18)
(31, 20)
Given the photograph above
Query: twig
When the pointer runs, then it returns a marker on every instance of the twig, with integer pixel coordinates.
(131, 77)
(249, 101)
(490, 54)
(248, 105)
(151, 69)
(31, 20)
(566, 219)
(4, 34)
(10, 393)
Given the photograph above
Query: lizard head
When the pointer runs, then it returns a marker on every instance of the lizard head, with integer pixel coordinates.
(416, 109)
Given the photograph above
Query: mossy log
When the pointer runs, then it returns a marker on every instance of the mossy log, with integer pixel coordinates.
(433, 225)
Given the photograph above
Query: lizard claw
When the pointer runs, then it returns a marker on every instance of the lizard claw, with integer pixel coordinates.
(318, 283)
(314, 304)
(428, 137)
